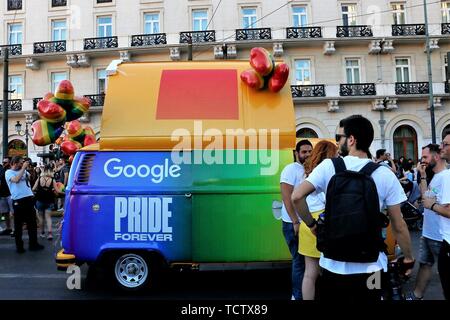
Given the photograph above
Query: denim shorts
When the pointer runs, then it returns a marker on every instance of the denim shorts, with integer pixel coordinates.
(429, 251)
(42, 206)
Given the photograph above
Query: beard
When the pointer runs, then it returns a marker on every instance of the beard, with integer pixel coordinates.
(343, 149)
(431, 166)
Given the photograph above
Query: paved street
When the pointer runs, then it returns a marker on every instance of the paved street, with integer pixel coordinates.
(33, 275)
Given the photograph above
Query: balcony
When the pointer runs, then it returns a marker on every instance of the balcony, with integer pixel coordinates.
(253, 34)
(399, 30)
(308, 91)
(100, 43)
(59, 3)
(14, 5)
(198, 36)
(13, 105)
(357, 89)
(49, 47)
(353, 31)
(98, 100)
(445, 28)
(146, 40)
(402, 88)
(303, 33)
(14, 49)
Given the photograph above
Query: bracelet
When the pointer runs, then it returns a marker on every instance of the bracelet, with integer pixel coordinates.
(433, 206)
(313, 224)
(423, 178)
(297, 222)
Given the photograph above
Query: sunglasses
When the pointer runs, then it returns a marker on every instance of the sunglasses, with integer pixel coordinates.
(340, 136)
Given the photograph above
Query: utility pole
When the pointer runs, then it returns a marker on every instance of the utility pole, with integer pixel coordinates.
(5, 99)
(430, 75)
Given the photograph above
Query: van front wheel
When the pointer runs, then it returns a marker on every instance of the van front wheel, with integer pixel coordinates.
(132, 271)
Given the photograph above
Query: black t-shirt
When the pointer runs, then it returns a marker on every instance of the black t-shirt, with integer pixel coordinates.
(4, 190)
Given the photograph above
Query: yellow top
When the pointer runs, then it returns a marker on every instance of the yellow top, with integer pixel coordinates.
(146, 102)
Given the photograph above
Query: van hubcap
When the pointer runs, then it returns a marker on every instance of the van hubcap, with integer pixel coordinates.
(131, 270)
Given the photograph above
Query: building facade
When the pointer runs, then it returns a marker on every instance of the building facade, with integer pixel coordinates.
(346, 57)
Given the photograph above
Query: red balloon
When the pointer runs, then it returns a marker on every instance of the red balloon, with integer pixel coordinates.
(70, 147)
(252, 79)
(279, 78)
(261, 60)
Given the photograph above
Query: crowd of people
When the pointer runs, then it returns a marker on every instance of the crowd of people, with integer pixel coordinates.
(338, 201)
(28, 194)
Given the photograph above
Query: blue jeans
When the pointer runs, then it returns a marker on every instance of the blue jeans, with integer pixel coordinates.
(298, 261)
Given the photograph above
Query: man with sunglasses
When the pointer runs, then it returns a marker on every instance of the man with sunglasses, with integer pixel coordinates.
(443, 210)
(17, 179)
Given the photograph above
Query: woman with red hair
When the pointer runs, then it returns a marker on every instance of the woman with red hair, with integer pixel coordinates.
(316, 203)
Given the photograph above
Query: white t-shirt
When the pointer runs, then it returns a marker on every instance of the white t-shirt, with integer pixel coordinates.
(390, 193)
(316, 201)
(445, 199)
(293, 175)
(431, 220)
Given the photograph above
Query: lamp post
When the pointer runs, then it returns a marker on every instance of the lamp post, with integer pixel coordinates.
(25, 133)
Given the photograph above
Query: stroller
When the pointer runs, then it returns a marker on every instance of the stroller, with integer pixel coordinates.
(412, 214)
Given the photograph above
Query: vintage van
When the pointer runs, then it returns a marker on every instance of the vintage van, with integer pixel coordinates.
(184, 175)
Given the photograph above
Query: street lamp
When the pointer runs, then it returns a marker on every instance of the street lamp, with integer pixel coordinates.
(25, 133)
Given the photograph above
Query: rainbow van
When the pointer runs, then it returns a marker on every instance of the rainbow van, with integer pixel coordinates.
(184, 176)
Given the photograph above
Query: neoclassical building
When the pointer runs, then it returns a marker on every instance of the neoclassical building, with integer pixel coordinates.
(347, 57)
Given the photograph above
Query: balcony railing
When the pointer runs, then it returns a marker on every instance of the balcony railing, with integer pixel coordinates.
(14, 49)
(98, 100)
(412, 88)
(35, 103)
(144, 40)
(49, 47)
(100, 43)
(304, 33)
(14, 5)
(13, 105)
(445, 28)
(408, 30)
(357, 89)
(59, 3)
(307, 91)
(353, 31)
(254, 34)
(198, 36)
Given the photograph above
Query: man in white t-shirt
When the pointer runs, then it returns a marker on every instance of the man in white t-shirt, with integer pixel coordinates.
(442, 208)
(349, 280)
(431, 240)
(292, 176)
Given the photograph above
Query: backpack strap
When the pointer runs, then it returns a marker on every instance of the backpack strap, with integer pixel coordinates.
(370, 168)
(339, 164)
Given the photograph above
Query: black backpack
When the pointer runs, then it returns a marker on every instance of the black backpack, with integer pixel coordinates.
(351, 228)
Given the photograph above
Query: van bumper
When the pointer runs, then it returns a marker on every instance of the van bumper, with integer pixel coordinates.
(64, 260)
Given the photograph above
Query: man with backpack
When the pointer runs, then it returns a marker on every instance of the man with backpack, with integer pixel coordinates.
(349, 234)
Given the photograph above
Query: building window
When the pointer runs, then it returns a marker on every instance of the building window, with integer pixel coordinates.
(300, 16)
(57, 77)
(59, 30)
(446, 68)
(349, 14)
(249, 18)
(398, 11)
(353, 70)
(151, 23)
(307, 133)
(199, 20)
(445, 8)
(101, 81)
(15, 35)
(14, 5)
(446, 129)
(16, 85)
(104, 27)
(402, 70)
(405, 143)
(104, 1)
(303, 72)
